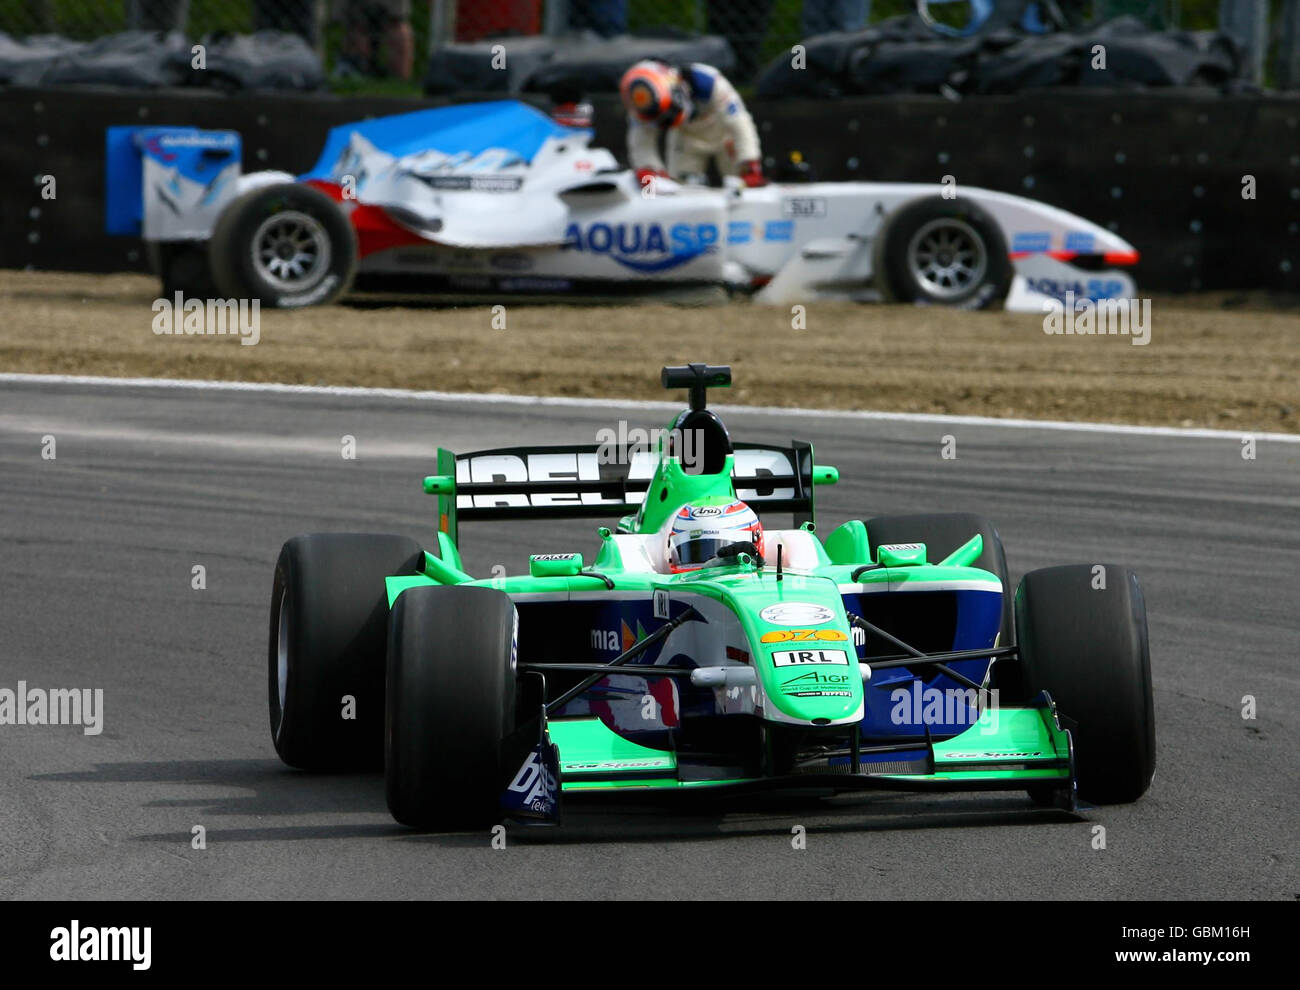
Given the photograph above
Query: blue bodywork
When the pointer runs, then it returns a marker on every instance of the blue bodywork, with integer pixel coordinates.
(976, 617)
(468, 129)
(195, 154)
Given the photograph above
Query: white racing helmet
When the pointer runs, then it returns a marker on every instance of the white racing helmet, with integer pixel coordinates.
(700, 529)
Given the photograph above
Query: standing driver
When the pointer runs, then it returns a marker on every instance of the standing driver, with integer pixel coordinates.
(702, 117)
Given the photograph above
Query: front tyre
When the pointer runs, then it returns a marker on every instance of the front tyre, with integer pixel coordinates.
(325, 669)
(943, 252)
(451, 705)
(288, 245)
(1083, 638)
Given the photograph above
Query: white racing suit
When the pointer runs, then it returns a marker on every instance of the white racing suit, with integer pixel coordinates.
(717, 127)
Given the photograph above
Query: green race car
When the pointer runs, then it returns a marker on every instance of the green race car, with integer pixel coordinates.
(698, 648)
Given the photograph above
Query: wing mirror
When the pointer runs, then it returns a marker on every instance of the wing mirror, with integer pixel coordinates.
(555, 564)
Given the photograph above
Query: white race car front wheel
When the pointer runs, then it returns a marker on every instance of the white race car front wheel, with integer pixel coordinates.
(943, 252)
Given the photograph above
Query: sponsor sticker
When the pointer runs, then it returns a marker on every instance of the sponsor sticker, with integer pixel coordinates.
(1080, 241)
(511, 261)
(553, 556)
(802, 658)
(661, 604)
(796, 614)
(449, 259)
(645, 764)
(525, 467)
(536, 785)
(802, 636)
(535, 284)
(473, 183)
(803, 206)
(778, 230)
(605, 639)
(1031, 241)
(644, 247)
(817, 684)
(1093, 288)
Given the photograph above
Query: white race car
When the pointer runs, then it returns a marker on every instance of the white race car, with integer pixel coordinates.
(495, 199)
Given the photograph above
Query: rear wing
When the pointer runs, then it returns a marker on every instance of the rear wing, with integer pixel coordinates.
(593, 481)
(168, 183)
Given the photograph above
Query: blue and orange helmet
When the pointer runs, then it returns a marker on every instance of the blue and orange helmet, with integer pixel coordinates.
(654, 94)
(700, 529)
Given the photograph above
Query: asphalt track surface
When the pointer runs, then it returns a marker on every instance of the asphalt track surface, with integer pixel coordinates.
(96, 552)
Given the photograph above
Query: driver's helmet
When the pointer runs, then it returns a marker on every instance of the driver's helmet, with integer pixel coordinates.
(654, 94)
(700, 529)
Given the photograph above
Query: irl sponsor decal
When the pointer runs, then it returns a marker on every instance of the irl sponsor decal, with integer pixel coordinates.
(803, 658)
(644, 247)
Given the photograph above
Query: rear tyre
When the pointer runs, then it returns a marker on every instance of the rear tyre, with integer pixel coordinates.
(451, 705)
(944, 252)
(1088, 647)
(182, 266)
(329, 615)
(288, 245)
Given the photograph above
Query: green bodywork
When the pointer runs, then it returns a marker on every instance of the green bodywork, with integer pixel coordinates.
(1040, 754)
(1026, 746)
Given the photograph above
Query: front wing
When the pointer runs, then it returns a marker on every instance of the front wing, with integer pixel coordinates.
(1019, 748)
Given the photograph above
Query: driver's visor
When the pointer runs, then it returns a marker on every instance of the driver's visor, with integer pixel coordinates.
(699, 551)
(669, 116)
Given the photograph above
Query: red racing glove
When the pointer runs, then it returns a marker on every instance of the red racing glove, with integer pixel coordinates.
(751, 173)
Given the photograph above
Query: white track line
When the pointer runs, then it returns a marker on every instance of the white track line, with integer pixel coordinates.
(495, 398)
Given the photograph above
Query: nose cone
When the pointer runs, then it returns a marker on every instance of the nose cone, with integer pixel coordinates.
(803, 650)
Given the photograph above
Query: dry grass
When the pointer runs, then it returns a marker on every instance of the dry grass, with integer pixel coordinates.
(1206, 365)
